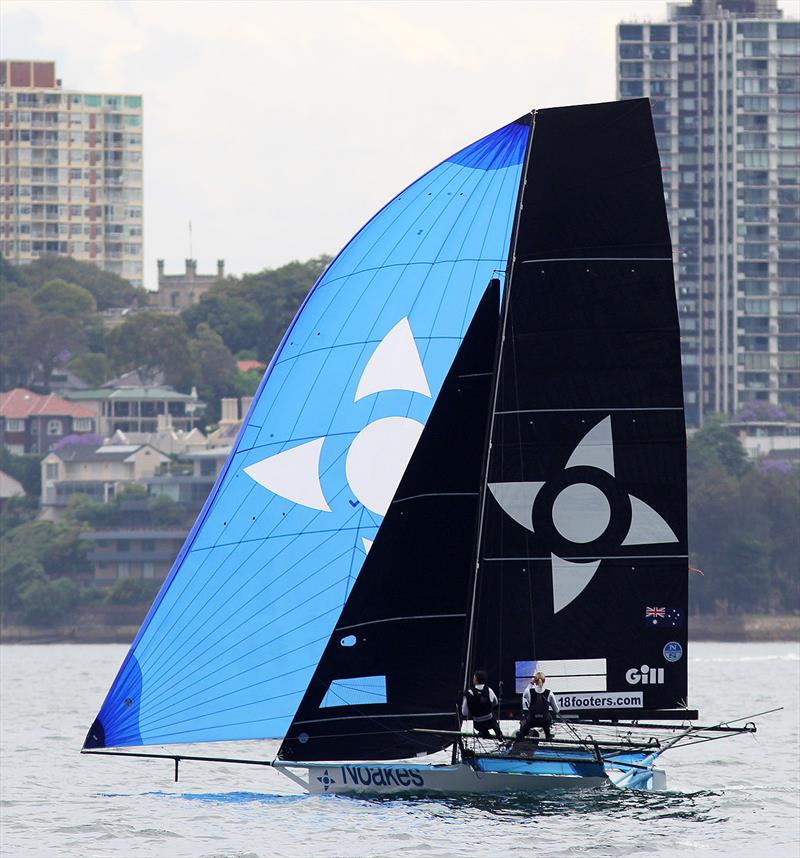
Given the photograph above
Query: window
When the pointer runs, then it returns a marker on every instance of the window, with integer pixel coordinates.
(123, 570)
(91, 100)
(51, 471)
(753, 29)
(628, 33)
(630, 52)
(631, 88)
(82, 424)
(659, 33)
(148, 545)
(148, 570)
(123, 545)
(54, 427)
(13, 425)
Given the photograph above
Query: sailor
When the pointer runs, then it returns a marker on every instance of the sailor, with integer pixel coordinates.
(539, 707)
(479, 704)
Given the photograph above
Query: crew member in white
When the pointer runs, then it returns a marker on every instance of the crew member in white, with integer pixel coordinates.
(539, 708)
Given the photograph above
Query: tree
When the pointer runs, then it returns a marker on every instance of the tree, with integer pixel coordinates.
(109, 290)
(52, 341)
(216, 373)
(26, 468)
(152, 343)
(715, 440)
(59, 298)
(55, 546)
(17, 572)
(17, 511)
(93, 367)
(237, 320)
(17, 314)
(44, 602)
(252, 313)
(133, 591)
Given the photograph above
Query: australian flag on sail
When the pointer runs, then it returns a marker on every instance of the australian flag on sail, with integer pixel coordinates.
(665, 618)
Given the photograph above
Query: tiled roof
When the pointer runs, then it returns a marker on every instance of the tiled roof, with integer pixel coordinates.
(106, 453)
(19, 403)
(248, 365)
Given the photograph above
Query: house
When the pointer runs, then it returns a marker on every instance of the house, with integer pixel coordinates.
(32, 423)
(777, 438)
(132, 552)
(96, 471)
(137, 409)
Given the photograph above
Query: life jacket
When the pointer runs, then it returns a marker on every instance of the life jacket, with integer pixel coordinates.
(479, 702)
(539, 706)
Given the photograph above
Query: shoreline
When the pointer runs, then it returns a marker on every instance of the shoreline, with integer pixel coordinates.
(712, 627)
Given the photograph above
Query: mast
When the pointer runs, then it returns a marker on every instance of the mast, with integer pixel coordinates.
(501, 335)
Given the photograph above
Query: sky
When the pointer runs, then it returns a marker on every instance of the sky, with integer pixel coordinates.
(279, 128)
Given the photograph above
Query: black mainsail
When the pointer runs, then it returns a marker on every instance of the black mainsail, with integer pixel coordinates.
(582, 567)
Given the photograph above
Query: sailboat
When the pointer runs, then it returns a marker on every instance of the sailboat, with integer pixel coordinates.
(467, 452)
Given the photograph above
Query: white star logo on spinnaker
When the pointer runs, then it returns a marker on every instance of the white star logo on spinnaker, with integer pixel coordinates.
(581, 513)
(377, 458)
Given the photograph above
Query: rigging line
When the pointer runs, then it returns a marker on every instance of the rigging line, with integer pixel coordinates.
(395, 619)
(498, 363)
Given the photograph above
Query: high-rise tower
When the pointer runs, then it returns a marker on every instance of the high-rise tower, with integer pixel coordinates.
(71, 169)
(723, 77)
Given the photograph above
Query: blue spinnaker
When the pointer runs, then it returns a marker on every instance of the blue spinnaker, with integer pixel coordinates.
(233, 637)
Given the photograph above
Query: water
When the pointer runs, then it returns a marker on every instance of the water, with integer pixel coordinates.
(736, 797)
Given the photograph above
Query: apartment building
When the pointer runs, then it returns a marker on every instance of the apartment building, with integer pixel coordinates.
(723, 78)
(71, 170)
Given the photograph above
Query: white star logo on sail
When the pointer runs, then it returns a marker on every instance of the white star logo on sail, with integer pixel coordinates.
(380, 452)
(581, 514)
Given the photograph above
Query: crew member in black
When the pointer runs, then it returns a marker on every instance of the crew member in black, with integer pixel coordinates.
(539, 707)
(479, 704)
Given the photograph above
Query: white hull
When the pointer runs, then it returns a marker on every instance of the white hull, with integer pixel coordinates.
(391, 778)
